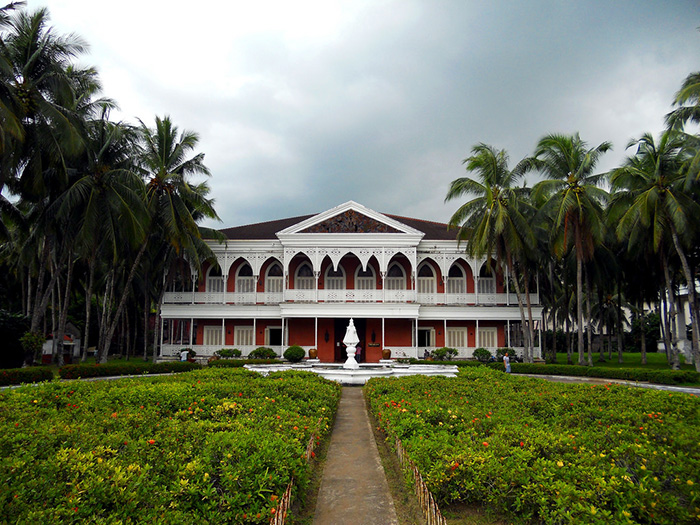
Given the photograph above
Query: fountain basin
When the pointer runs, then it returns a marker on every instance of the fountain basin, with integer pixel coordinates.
(360, 375)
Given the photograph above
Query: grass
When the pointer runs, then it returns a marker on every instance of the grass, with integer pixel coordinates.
(655, 361)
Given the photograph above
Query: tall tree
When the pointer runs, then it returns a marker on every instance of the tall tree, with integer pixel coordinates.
(493, 222)
(654, 182)
(573, 201)
(174, 203)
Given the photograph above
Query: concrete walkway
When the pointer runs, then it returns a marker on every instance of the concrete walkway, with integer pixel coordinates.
(353, 488)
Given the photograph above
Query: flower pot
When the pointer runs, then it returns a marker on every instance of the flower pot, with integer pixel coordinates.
(313, 353)
(386, 353)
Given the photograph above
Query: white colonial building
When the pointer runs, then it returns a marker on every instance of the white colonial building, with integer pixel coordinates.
(406, 283)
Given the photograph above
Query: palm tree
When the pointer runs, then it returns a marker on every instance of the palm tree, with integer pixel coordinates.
(174, 204)
(494, 221)
(39, 132)
(106, 202)
(572, 201)
(661, 204)
(688, 101)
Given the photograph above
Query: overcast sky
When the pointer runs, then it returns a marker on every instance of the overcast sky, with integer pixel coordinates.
(301, 106)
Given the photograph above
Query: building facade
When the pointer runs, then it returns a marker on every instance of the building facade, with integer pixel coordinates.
(406, 282)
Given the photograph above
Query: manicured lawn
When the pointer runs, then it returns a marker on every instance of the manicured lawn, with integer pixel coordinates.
(655, 360)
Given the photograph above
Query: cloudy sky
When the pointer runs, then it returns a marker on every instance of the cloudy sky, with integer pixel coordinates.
(301, 106)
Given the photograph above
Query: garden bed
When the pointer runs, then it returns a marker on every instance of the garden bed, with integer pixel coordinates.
(544, 452)
(209, 446)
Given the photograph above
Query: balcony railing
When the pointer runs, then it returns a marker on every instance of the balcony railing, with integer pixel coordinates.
(344, 296)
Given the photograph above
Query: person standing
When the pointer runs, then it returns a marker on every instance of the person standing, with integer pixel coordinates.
(506, 362)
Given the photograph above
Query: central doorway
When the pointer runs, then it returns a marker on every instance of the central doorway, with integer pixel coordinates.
(340, 327)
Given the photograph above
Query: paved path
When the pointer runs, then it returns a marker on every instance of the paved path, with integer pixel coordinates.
(353, 488)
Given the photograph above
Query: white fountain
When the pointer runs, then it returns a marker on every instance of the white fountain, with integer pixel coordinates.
(353, 373)
(350, 341)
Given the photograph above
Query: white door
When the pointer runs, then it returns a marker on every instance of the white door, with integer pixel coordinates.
(243, 336)
(488, 337)
(457, 337)
(212, 335)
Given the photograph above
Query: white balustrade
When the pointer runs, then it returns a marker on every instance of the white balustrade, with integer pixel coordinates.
(344, 296)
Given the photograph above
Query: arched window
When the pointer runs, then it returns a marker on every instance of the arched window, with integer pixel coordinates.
(215, 282)
(395, 278)
(456, 283)
(426, 279)
(366, 279)
(245, 282)
(274, 280)
(304, 278)
(335, 279)
(487, 280)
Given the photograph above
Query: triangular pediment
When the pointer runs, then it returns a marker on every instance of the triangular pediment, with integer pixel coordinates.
(349, 218)
(350, 221)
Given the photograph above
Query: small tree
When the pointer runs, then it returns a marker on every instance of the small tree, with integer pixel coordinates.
(32, 343)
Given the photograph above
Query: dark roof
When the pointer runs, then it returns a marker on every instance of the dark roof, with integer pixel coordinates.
(262, 230)
(434, 231)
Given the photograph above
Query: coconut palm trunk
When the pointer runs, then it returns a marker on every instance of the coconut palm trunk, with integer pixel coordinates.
(690, 283)
(671, 326)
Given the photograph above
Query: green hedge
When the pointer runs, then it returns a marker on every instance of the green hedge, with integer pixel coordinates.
(451, 363)
(547, 453)
(32, 374)
(664, 377)
(124, 369)
(210, 446)
(239, 363)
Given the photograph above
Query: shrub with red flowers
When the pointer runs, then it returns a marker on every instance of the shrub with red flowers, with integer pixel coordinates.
(208, 446)
(543, 452)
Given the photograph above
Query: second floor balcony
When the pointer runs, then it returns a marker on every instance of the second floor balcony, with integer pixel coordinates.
(344, 296)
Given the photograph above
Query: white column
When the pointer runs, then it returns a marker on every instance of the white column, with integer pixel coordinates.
(191, 329)
(223, 332)
(476, 339)
(508, 331)
(255, 331)
(383, 332)
(415, 340)
(444, 332)
(315, 332)
(162, 322)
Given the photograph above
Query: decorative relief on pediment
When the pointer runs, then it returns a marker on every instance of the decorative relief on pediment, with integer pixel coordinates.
(350, 222)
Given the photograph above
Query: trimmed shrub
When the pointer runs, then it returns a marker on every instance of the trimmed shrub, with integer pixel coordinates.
(228, 353)
(262, 352)
(294, 353)
(240, 363)
(482, 355)
(664, 377)
(32, 374)
(444, 353)
(123, 369)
